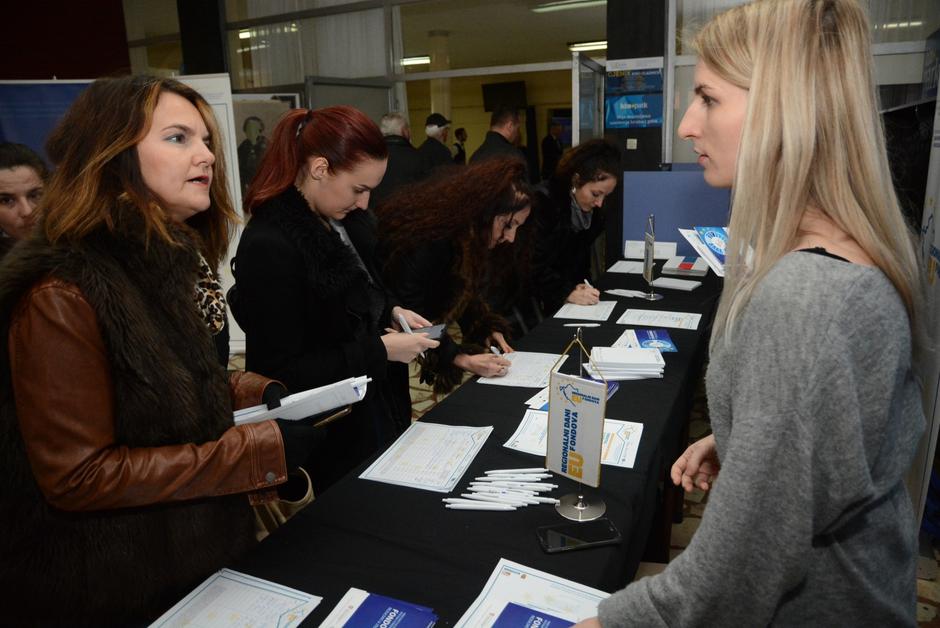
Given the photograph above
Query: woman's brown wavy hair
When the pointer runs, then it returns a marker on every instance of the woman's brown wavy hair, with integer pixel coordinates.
(94, 150)
(460, 206)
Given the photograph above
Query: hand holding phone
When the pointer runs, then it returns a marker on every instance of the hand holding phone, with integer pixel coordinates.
(434, 331)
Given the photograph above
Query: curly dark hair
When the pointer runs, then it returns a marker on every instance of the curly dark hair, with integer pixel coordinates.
(591, 161)
(460, 206)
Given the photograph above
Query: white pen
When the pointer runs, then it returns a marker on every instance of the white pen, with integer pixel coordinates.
(405, 327)
(459, 500)
(502, 490)
(546, 500)
(511, 478)
(480, 506)
(535, 487)
(495, 350)
(582, 325)
(527, 470)
(495, 499)
(588, 284)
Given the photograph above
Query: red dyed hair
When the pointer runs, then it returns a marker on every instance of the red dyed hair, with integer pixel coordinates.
(343, 135)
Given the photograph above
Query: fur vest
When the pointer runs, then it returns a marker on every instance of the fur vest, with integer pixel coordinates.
(123, 566)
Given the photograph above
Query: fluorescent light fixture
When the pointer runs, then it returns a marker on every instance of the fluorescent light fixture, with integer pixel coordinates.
(244, 34)
(416, 60)
(585, 46)
(902, 24)
(565, 5)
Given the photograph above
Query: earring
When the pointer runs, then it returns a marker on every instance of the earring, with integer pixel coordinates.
(574, 189)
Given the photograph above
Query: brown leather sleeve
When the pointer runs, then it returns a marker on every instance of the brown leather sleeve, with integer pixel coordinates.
(64, 400)
(248, 388)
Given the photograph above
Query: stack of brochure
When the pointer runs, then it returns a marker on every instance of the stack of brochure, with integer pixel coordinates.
(308, 402)
(620, 363)
(361, 608)
(686, 266)
(710, 243)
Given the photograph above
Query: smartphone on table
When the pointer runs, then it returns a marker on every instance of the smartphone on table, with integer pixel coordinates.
(564, 537)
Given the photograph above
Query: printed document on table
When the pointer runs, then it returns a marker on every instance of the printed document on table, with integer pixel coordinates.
(361, 608)
(230, 598)
(429, 456)
(599, 312)
(619, 446)
(627, 266)
(528, 370)
(512, 583)
(308, 402)
(659, 318)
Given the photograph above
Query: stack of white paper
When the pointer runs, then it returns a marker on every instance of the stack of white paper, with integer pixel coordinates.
(702, 249)
(309, 402)
(621, 363)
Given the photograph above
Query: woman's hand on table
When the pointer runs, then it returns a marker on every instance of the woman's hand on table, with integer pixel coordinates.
(498, 340)
(584, 294)
(414, 320)
(483, 364)
(406, 347)
(698, 466)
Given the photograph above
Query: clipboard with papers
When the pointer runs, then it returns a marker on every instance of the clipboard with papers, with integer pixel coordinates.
(336, 396)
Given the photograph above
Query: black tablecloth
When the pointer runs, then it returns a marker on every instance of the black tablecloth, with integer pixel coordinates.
(403, 543)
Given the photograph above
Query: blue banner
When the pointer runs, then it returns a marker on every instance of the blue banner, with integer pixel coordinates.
(29, 111)
(633, 99)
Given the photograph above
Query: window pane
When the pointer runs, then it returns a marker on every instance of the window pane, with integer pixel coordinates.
(480, 33)
(164, 59)
(236, 10)
(267, 55)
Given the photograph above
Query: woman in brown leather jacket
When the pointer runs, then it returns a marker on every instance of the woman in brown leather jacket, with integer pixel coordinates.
(125, 482)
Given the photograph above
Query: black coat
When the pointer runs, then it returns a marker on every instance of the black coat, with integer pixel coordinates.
(562, 257)
(434, 155)
(305, 306)
(405, 166)
(551, 154)
(495, 145)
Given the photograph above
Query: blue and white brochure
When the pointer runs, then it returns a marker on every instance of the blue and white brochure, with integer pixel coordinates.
(361, 609)
(646, 339)
(716, 239)
(517, 616)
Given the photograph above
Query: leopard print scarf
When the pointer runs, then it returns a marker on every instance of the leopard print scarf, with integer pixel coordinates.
(209, 297)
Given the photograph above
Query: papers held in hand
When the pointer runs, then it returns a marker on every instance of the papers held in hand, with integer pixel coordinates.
(309, 402)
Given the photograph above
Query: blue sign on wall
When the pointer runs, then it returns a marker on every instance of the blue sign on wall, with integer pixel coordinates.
(29, 111)
(633, 99)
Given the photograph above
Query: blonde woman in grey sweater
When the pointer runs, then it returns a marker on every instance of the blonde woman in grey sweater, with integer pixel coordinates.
(814, 404)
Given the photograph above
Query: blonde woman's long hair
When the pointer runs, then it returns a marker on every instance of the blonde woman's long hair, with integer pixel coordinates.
(812, 137)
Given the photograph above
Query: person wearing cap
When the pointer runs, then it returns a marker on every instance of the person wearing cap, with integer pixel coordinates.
(434, 150)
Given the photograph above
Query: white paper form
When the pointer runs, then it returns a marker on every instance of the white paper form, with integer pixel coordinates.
(598, 312)
(618, 449)
(627, 267)
(528, 370)
(429, 456)
(659, 318)
(540, 591)
(230, 598)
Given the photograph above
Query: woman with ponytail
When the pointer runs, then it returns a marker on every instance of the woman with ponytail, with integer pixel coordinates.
(308, 291)
(814, 403)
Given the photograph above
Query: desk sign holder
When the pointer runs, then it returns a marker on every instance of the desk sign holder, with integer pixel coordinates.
(576, 407)
(649, 256)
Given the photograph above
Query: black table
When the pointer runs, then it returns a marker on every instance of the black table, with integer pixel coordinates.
(403, 543)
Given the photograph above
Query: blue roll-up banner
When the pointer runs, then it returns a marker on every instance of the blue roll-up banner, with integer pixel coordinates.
(29, 110)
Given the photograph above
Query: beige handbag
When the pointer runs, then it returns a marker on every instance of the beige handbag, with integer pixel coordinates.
(269, 516)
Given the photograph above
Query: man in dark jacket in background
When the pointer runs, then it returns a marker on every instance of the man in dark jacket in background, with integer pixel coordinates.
(434, 150)
(551, 150)
(405, 165)
(501, 139)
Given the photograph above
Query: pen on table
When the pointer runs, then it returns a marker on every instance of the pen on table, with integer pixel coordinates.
(405, 327)
(495, 499)
(582, 325)
(525, 470)
(512, 478)
(507, 496)
(479, 506)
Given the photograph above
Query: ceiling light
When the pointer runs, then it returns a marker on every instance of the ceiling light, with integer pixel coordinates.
(416, 60)
(564, 5)
(585, 46)
(244, 34)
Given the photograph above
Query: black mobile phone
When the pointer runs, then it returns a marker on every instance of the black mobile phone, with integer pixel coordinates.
(434, 331)
(573, 536)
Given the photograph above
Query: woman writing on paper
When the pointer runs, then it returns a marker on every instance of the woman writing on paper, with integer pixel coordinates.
(308, 292)
(814, 404)
(22, 177)
(125, 482)
(569, 218)
(446, 243)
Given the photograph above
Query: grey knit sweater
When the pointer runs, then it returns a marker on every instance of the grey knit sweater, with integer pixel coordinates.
(816, 416)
